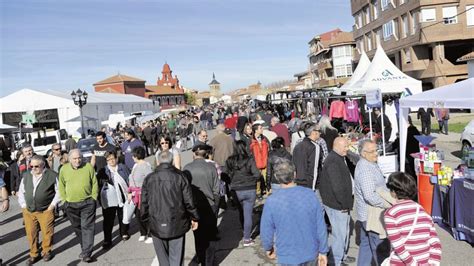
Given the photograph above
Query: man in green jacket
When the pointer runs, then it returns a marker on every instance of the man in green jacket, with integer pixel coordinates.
(78, 189)
(37, 197)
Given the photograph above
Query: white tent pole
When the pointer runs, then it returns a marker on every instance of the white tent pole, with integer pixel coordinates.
(402, 131)
(370, 121)
(383, 130)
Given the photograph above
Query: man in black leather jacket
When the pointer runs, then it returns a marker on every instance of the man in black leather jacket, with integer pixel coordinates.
(168, 206)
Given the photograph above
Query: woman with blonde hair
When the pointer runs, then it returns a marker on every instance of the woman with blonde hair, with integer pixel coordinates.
(328, 132)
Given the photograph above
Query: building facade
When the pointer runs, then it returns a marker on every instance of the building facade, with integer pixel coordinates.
(330, 59)
(424, 38)
(122, 84)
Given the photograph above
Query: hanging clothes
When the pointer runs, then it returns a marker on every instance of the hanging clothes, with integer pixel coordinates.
(352, 111)
(337, 110)
(310, 108)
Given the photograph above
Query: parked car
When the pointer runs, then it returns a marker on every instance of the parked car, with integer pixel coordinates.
(467, 137)
(85, 146)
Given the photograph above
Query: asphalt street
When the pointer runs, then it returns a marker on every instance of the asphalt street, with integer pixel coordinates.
(14, 246)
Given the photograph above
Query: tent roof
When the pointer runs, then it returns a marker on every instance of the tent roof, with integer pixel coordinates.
(362, 67)
(384, 75)
(28, 100)
(456, 95)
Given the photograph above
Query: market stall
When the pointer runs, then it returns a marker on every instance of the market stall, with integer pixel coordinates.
(444, 192)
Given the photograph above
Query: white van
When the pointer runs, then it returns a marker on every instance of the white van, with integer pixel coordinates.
(43, 141)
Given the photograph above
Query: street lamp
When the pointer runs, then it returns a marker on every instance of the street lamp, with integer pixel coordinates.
(80, 99)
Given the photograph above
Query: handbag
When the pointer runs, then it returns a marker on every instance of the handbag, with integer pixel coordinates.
(128, 211)
(108, 196)
(386, 262)
(136, 191)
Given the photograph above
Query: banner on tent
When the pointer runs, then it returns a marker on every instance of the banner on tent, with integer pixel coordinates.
(374, 98)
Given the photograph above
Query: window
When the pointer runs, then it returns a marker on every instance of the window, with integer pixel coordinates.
(360, 45)
(450, 15)
(342, 51)
(404, 26)
(358, 18)
(470, 15)
(378, 35)
(375, 8)
(367, 15)
(428, 14)
(387, 30)
(414, 22)
(343, 71)
(385, 4)
(407, 55)
(369, 42)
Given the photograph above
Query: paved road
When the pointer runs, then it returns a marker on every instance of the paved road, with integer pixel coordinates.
(14, 248)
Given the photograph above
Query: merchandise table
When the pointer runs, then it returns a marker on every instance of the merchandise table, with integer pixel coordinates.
(452, 208)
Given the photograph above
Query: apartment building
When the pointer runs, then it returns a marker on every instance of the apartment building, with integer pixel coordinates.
(331, 56)
(424, 38)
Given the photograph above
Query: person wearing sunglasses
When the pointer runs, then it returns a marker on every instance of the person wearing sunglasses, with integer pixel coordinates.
(54, 160)
(166, 144)
(37, 197)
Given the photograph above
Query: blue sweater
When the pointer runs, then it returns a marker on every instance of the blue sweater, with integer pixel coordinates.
(295, 219)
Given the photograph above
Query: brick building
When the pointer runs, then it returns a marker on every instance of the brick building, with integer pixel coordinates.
(167, 93)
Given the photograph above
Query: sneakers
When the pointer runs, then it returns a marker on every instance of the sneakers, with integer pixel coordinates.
(141, 238)
(149, 240)
(248, 242)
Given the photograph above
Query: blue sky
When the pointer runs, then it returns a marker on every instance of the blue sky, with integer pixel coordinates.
(66, 44)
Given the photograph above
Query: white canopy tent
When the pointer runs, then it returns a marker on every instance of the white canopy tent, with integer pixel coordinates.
(384, 75)
(457, 95)
(359, 72)
(99, 105)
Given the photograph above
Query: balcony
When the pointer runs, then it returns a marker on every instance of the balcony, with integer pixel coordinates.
(323, 65)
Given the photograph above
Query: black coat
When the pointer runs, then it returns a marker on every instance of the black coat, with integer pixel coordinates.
(304, 158)
(335, 184)
(167, 202)
(272, 157)
(243, 174)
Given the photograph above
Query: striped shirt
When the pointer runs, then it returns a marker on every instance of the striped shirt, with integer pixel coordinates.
(423, 247)
(367, 179)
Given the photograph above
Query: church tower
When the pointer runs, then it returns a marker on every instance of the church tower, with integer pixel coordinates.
(215, 87)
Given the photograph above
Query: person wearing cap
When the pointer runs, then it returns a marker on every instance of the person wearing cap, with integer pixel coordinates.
(205, 184)
(308, 157)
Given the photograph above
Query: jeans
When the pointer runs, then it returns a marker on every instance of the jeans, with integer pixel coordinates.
(308, 263)
(371, 247)
(445, 126)
(339, 239)
(247, 201)
(82, 217)
(169, 251)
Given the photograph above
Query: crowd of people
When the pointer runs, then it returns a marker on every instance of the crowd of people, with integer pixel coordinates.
(297, 165)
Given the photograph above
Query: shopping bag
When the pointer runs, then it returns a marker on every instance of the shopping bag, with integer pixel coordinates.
(128, 210)
(108, 196)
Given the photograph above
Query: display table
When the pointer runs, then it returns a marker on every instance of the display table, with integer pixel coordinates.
(452, 208)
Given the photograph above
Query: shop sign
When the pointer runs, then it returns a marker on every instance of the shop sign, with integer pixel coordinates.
(374, 98)
(28, 119)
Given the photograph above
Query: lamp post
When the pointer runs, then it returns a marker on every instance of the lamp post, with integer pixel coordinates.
(80, 99)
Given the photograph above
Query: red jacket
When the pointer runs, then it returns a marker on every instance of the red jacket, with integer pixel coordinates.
(260, 152)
